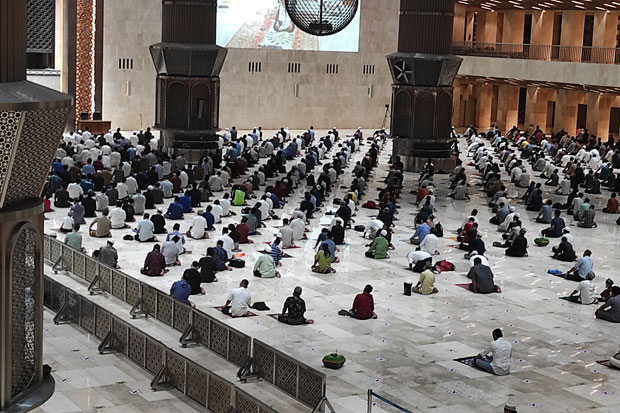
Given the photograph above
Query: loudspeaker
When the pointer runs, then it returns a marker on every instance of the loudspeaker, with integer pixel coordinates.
(97, 116)
(84, 116)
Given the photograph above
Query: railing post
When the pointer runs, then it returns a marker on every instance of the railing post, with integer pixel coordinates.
(369, 401)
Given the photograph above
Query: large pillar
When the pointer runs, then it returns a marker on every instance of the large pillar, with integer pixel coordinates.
(542, 35)
(508, 107)
(484, 95)
(572, 35)
(188, 64)
(514, 22)
(487, 27)
(32, 119)
(604, 37)
(567, 103)
(423, 71)
(599, 106)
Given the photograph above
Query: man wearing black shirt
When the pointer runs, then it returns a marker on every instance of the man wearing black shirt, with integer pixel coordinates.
(149, 201)
(295, 306)
(193, 278)
(61, 198)
(208, 267)
(89, 205)
(337, 232)
(159, 222)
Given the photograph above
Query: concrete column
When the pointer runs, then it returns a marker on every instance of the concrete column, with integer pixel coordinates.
(507, 107)
(572, 35)
(604, 37)
(487, 27)
(484, 95)
(599, 107)
(513, 27)
(566, 111)
(458, 34)
(536, 107)
(456, 105)
(542, 35)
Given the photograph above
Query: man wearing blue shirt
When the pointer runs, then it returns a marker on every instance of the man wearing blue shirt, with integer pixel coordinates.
(181, 291)
(582, 268)
(420, 233)
(186, 203)
(175, 210)
(209, 217)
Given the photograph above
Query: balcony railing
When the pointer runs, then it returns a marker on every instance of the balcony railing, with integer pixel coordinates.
(608, 55)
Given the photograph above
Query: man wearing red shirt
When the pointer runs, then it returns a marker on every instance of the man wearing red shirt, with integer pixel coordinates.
(363, 306)
(155, 263)
(244, 231)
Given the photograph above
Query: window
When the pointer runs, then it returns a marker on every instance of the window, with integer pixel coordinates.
(255, 67)
(125, 64)
(294, 67)
(368, 69)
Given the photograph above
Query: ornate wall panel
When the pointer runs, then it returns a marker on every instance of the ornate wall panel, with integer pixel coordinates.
(40, 28)
(85, 57)
(23, 273)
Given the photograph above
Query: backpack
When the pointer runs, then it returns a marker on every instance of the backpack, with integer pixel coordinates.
(236, 263)
(445, 265)
(439, 229)
(370, 205)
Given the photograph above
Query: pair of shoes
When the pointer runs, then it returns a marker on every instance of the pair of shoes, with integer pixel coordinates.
(343, 312)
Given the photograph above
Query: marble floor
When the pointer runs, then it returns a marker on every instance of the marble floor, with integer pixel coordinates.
(89, 382)
(407, 354)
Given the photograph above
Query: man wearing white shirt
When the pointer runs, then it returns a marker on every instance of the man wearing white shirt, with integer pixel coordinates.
(67, 160)
(430, 243)
(132, 185)
(496, 358)
(117, 217)
(472, 257)
(184, 179)
(229, 243)
(115, 159)
(75, 190)
(225, 204)
(122, 189)
(217, 212)
(198, 225)
(67, 223)
(238, 301)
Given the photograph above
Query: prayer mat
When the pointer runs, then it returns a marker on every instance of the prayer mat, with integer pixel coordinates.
(274, 316)
(468, 361)
(466, 286)
(452, 238)
(454, 246)
(251, 314)
(607, 363)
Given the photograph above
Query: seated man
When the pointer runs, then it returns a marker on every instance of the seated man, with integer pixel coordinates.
(426, 282)
(582, 268)
(500, 352)
(379, 247)
(610, 311)
(482, 279)
(155, 263)
(363, 306)
(295, 306)
(545, 215)
(265, 266)
(557, 226)
(74, 239)
(145, 230)
(584, 293)
(612, 205)
(587, 218)
(181, 290)
(418, 259)
(564, 251)
(239, 301)
(175, 210)
(518, 248)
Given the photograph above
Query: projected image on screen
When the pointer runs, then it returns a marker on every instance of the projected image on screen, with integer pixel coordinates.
(265, 24)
